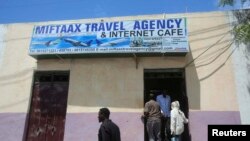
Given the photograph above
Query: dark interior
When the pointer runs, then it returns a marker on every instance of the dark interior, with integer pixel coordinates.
(171, 80)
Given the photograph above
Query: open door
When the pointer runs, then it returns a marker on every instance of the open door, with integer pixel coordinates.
(48, 107)
(173, 81)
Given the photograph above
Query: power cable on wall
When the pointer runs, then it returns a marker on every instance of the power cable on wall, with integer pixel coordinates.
(224, 50)
(220, 66)
(206, 50)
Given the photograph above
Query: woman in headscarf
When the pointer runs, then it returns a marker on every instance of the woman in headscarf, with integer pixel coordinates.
(177, 120)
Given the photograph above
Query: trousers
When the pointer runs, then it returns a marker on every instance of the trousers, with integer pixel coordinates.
(154, 130)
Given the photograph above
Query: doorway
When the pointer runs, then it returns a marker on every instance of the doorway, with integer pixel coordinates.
(171, 80)
(48, 106)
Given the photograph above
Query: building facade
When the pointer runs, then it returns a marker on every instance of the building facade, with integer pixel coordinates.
(57, 96)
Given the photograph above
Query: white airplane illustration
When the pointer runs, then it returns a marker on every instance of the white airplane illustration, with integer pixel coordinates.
(78, 43)
(110, 43)
(48, 43)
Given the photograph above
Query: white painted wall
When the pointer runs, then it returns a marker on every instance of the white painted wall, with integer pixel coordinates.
(241, 61)
(16, 69)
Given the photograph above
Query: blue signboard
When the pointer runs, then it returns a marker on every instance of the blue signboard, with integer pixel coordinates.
(139, 36)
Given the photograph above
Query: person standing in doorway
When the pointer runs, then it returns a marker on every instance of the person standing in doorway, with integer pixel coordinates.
(178, 119)
(108, 131)
(153, 114)
(164, 101)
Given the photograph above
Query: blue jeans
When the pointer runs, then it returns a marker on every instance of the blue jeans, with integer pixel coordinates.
(176, 138)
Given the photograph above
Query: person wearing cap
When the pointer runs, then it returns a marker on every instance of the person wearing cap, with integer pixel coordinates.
(153, 114)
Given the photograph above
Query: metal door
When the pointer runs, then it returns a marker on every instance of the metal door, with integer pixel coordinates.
(48, 107)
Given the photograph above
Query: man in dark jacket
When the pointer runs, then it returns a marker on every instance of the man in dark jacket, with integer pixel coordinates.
(108, 131)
